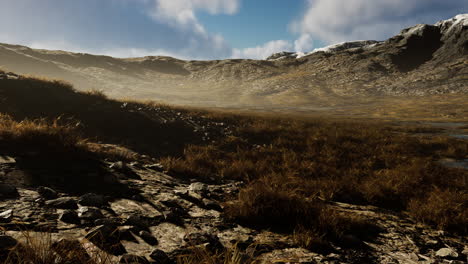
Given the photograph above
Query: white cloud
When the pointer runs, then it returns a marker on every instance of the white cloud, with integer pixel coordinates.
(263, 51)
(342, 20)
(181, 15)
(304, 43)
(99, 27)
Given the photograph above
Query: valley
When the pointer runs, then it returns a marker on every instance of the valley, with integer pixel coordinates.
(355, 153)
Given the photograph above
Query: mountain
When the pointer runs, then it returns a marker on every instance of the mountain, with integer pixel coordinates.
(86, 178)
(420, 61)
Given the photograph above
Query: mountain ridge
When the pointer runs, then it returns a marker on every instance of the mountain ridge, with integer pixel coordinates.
(420, 60)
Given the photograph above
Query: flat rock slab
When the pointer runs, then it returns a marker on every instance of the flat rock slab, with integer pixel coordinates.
(7, 160)
(63, 203)
(126, 207)
(197, 212)
(447, 253)
(170, 236)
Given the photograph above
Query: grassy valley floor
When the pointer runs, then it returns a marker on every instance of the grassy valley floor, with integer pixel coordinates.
(300, 176)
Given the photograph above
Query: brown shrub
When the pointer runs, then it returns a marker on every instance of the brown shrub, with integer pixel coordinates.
(354, 162)
(444, 208)
(39, 136)
(56, 155)
(41, 248)
(267, 204)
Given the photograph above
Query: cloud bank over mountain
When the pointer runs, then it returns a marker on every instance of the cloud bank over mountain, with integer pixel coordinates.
(334, 21)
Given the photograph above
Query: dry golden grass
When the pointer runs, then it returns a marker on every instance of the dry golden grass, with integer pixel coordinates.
(96, 93)
(291, 165)
(289, 162)
(53, 138)
(130, 124)
(39, 136)
(55, 154)
(43, 249)
(203, 256)
(443, 208)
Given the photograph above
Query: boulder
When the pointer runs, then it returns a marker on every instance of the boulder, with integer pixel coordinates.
(160, 256)
(89, 213)
(137, 220)
(447, 253)
(148, 238)
(8, 191)
(212, 205)
(63, 203)
(70, 217)
(126, 234)
(92, 199)
(5, 217)
(109, 221)
(125, 169)
(199, 188)
(47, 193)
(175, 216)
(7, 242)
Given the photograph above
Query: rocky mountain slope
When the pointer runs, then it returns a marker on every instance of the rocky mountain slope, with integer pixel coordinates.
(421, 60)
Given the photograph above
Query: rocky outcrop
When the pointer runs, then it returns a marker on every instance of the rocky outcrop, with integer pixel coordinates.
(416, 46)
(328, 49)
(455, 37)
(282, 55)
(171, 217)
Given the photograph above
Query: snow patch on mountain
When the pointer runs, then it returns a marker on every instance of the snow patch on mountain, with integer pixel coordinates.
(346, 45)
(447, 28)
(328, 49)
(449, 25)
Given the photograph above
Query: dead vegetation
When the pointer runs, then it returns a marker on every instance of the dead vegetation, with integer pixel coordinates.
(133, 125)
(29, 136)
(291, 164)
(42, 248)
(292, 167)
(203, 256)
(57, 155)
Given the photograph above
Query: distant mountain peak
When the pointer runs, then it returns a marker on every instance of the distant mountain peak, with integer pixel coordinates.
(446, 28)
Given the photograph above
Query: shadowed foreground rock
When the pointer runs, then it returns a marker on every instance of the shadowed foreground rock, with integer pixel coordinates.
(169, 218)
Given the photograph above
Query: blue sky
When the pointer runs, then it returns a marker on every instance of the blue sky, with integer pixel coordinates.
(210, 29)
(257, 22)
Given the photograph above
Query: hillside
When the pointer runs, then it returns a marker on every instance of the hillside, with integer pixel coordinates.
(89, 179)
(424, 60)
(354, 153)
